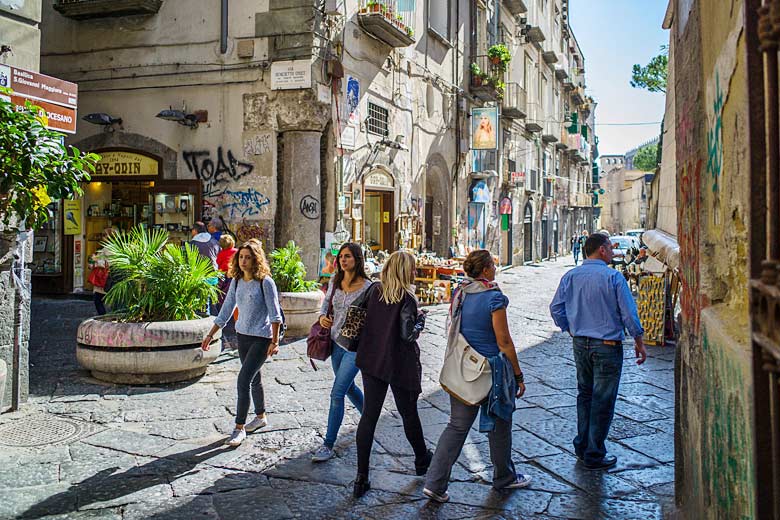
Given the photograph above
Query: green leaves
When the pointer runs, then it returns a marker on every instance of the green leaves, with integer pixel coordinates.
(157, 281)
(288, 270)
(646, 158)
(652, 76)
(33, 158)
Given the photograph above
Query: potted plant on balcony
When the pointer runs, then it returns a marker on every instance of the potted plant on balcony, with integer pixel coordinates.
(399, 22)
(161, 293)
(499, 55)
(476, 74)
(410, 31)
(373, 6)
(300, 299)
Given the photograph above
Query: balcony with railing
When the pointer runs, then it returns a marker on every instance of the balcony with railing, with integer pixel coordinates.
(85, 9)
(550, 131)
(578, 96)
(513, 105)
(532, 123)
(387, 21)
(515, 6)
(487, 79)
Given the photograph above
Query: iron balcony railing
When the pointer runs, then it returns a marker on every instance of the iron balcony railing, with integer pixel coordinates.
(486, 78)
(392, 21)
(514, 103)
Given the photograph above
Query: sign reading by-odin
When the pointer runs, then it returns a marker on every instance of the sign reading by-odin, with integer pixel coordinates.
(125, 164)
(290, 75)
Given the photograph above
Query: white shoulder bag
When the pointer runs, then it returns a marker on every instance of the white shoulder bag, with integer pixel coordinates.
(466, 373)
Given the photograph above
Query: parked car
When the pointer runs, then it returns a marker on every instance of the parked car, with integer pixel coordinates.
(636, 233)
(622, 246)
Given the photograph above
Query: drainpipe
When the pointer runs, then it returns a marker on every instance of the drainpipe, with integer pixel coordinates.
(454, 186)
(223, 29)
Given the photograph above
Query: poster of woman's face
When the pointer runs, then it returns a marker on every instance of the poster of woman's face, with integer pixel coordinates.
(484, 128)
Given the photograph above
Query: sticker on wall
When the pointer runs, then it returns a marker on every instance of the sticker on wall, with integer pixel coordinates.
(386, 217)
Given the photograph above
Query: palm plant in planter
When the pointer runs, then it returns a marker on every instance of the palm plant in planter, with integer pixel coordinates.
(160, 291)
(300, 298)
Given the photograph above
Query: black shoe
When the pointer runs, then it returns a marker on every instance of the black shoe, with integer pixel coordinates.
(607, 462)
(362, 485)
(421, 468)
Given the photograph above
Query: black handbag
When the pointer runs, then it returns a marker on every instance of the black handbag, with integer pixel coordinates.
(355, 320)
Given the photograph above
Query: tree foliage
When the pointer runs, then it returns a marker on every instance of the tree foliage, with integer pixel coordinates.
(289, 271)
(653, 75)
(35, 165)
(646, 158)
(157, 281)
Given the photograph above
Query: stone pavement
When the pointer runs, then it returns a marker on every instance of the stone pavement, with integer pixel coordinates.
(107, 451)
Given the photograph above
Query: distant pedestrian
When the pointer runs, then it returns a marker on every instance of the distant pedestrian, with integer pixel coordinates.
(478, 312)
(228, 246)
(347, 284)
(205, 243)
(216, 228)
(254, 294)
(575, 248)
(388, 355)
(100, 275)
(594, 304)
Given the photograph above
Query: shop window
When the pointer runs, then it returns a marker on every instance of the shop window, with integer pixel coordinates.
(377, 121)
(47, 244)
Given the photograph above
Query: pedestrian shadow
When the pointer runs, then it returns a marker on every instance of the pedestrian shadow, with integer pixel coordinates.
(107, 485)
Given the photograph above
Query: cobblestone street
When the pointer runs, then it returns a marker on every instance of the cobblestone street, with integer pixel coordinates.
(156, 452)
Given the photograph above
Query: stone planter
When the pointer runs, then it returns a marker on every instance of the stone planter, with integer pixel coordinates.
(3, 378)
(301, 310)
(145, 353)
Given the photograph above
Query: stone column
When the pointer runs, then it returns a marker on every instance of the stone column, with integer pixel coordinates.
(299, 208)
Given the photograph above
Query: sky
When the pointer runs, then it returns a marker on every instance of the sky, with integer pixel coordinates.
(613, 36)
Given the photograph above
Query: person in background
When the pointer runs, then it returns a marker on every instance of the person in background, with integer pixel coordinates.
(478, 312)
(228, 249)
(576, 246)
(205, 243)
(594, 305)
(228, 245)
(216, 227)
(253, 292)
(346, 286)
(388, 355)
(99, 260)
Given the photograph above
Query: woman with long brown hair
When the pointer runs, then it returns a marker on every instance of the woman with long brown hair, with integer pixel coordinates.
(346, 286)
(253, 292)
(388, 355)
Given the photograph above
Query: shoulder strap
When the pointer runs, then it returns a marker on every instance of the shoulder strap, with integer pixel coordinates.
(332, 294)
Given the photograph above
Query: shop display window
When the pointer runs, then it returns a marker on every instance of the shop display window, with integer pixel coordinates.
(175, 213)
(47, 243)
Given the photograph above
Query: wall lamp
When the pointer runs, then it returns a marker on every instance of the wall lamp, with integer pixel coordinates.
(397, 144)
(103, 119)
(183, 118)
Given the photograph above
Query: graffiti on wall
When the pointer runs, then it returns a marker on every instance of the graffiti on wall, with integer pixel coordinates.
(715, 137)
(257, 145)
(216, 176)
(243, 203)
(310, 207)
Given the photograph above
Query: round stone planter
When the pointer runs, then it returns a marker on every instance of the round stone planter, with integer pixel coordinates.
(145, 353)
(3, 377)
(301, 310)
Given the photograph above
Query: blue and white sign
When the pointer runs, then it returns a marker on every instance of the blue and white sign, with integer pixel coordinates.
(352, 101)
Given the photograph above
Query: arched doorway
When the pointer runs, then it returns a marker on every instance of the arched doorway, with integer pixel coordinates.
(528, 233)
(545, 235)
(379, 210)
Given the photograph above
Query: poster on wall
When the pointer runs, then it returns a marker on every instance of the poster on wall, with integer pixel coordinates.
(478, 191)
(352, 101)
(72, 217)
(476, 225)
(484, 128)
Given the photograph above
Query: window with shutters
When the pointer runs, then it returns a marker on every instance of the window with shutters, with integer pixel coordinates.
(439, 18)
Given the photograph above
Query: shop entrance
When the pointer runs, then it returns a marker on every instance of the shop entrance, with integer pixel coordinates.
(545, 239)
(528, 234)
(378, 220)
(556, 234)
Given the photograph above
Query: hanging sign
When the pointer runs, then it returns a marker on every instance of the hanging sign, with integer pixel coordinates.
(56, 98)
(505, 208)
(518, 177)
(484, 128)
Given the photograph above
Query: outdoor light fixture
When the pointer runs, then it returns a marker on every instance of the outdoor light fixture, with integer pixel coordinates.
(397, 144)
(180, 116)
(100, 118)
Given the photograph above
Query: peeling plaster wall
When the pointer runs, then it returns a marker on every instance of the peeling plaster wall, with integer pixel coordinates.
(713, 430)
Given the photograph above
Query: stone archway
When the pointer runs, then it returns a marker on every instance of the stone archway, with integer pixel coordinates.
(133, 142)
(437, 214)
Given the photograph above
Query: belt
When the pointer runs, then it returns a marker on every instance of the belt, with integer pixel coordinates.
(611, 342)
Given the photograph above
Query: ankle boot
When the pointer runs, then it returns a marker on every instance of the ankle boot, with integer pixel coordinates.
(421, 467)
(361, 486)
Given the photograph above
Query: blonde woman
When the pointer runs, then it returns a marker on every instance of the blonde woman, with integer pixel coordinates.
(254, 293)
(388, 355)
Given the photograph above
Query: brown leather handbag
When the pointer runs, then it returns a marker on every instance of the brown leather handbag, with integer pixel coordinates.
(318, 343)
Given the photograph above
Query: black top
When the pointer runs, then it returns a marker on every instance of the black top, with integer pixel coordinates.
(388, 347)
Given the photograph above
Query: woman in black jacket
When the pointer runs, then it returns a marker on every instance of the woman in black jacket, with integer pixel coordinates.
(388, 355)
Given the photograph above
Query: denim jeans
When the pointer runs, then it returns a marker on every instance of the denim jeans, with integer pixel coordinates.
(576, 253)
(598, 376)
(252, 351)
(344, 385)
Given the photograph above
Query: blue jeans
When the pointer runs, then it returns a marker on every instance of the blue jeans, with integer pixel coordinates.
(598, 376)
(576, 253)
(344, 385)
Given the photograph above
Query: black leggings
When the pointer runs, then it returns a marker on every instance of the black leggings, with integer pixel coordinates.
(252, 351)
(374, 391)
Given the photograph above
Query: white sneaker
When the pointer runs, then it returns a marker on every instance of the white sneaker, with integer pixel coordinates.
(236, 438)
(440, 498)
(322, 454)
(520, 482)
(256, 424)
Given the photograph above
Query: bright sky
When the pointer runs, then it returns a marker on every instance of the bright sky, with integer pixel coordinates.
(613, 36)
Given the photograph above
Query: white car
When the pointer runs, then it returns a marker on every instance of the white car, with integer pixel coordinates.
(623, 245)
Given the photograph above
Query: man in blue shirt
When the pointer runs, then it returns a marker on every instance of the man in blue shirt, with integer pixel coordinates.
(594, 304)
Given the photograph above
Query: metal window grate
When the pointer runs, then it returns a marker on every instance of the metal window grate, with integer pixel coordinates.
(377, 120)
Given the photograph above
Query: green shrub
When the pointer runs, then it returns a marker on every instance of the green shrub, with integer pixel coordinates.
(157, 281)
(288, 270)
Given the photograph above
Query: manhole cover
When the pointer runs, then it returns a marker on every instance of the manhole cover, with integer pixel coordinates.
(44, 429)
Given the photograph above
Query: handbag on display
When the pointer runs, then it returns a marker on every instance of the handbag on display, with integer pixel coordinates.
(466, 374)
(349, 336)
(98, 277)
(318, 343)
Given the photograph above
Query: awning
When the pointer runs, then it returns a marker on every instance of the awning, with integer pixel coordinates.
(663, 246)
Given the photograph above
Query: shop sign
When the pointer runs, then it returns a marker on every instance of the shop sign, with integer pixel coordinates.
(125, 164)
(505, 208)
(56, 117)
(518, 177)
(72, 211)
(484, 128)
(56, 98)
(288, 75)
(379, 179)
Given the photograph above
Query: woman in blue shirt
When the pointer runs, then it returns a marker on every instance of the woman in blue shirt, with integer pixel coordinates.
(483, 323)
(253, 292)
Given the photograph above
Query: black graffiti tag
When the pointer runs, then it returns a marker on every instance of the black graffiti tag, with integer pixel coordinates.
(310, 207)
(215, 177)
